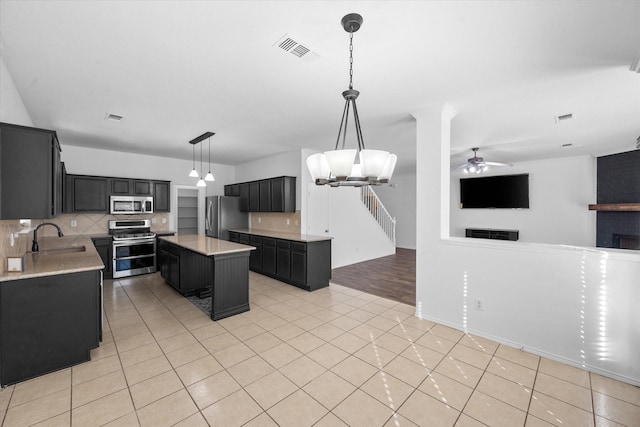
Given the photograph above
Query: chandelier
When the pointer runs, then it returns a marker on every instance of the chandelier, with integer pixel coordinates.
(194, 172)
(354, 167)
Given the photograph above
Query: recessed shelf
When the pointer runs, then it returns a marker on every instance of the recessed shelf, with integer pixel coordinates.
(616, 207)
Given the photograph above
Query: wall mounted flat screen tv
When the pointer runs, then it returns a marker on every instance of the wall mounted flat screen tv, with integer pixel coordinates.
(501, 192)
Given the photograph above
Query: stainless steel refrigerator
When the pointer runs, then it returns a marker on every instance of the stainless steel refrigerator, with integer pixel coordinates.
(222, 214)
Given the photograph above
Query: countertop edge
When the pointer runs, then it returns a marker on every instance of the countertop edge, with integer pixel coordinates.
(294, 237)
(191, 241)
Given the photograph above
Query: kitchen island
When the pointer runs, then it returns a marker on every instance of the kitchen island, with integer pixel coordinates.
(204, 265)
(50, 313)
(300, 260)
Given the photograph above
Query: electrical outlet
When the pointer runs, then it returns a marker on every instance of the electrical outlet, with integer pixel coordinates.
(259, 219)
(288, 221)
(74, 223)
(153, 220)
(479, 304)
(164, 220)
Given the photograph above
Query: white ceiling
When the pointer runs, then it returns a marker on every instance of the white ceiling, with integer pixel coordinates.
(177, 69)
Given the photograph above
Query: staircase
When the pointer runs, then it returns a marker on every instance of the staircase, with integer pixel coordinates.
(373, 203)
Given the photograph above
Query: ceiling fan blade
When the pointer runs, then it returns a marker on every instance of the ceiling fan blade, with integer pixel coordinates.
(497, 164)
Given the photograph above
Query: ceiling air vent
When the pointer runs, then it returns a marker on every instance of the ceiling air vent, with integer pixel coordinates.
(292, 46)
(563, 117)
(113, 117)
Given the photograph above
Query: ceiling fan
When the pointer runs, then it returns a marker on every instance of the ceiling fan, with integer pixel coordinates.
(477, 164)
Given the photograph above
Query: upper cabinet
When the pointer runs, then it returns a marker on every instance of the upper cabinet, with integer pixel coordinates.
(131, 187)
(31, 175)
(266, 195)
(161, 199)
(85, 193)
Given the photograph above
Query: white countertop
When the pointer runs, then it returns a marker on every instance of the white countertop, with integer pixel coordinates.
(58, 255)
(297, 237)
(204, 245)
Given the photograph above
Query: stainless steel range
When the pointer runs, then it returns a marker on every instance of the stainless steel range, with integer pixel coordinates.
(134, 247)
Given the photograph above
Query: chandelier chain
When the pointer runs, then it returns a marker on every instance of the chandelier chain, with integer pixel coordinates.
(351, 60)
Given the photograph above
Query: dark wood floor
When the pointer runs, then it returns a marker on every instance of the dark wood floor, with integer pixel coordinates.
(392, 277)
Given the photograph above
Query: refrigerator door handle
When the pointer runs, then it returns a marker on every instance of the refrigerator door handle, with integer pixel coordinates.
(208, 215)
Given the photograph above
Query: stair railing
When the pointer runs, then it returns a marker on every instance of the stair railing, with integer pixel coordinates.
(375, 206)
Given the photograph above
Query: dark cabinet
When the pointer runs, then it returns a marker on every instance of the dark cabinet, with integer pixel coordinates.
(255, 256)
(254, 196)
(305, 264)
(169, 259)
(161, 196)
(283, 194)
(121, 186)
(283, 260)
(131, 187)
(298, 263)
(232, 190)
(268, 256)
(244, 196)
(265, 195)
(48, 323)
(104, 249)
(87, 194)
(186, 271)
(30, 173)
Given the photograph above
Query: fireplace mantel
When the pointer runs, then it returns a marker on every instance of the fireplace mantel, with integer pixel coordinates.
(616, 207)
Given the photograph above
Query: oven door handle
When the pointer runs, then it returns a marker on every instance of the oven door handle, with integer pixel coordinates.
(133, 257)
(120, 243)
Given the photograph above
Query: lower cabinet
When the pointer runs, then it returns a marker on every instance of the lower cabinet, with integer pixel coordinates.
(48, 323)
(283, 260)
(255, 257)
(186, 271)
(268, 256)
(104, 249)
(306, 265)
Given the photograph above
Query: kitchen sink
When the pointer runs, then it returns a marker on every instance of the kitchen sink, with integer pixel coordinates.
(67, 250)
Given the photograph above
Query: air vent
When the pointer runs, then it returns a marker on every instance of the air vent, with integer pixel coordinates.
(113, 117)
(291, 45)
(563, 117)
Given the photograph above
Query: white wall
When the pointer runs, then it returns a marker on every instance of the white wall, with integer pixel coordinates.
(356, 235)
(575, 305)
(559, 191)
(400, 200)
(12, 109)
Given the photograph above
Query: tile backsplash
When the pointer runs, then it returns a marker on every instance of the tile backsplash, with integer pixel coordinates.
(83, 224)
(287, 222)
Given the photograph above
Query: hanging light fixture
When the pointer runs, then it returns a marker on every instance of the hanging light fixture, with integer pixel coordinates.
(209, 176)
(194, 172)
(355, 167)
(201, 182)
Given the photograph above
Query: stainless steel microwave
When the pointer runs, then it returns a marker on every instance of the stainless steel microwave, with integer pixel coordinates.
(131, 205)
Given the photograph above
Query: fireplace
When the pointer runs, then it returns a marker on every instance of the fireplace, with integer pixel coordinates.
(626, 241)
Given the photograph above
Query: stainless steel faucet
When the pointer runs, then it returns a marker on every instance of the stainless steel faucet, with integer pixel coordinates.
(34, 246)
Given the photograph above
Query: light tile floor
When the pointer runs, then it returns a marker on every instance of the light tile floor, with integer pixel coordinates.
(333, 357)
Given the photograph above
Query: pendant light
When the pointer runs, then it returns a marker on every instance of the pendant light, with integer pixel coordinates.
(209, 176)
(194, 172)
(355, 167)
(201, 182)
